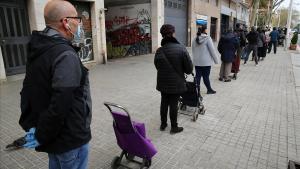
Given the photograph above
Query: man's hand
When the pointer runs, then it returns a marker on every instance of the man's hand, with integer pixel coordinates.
(31, 141)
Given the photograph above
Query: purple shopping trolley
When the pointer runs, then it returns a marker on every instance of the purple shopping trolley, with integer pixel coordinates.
(131, 138)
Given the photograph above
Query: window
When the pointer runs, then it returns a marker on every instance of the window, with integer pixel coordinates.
(174, 5)
(169, 4)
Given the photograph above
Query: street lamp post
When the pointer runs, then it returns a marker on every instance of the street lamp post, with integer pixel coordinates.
(288, 26)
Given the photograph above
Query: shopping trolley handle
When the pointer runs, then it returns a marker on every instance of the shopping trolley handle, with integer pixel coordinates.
(186, 75)
(109, 105)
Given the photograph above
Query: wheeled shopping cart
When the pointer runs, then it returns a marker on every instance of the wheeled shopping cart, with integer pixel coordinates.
(131, 138)
(191, 98)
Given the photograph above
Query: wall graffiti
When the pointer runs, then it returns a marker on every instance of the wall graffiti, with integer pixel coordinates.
(128, 30)
(85, 42)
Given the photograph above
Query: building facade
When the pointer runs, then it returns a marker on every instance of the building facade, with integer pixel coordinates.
(114, 28)
(20, 17)
(205, 12)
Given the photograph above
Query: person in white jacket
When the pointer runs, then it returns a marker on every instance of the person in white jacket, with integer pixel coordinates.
(204, 56)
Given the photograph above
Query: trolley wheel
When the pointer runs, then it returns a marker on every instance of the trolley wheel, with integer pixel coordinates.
(201, 110)
(179, 105)
(146, 164)
(195, 116)
(129, 157)
(183, 107)
(115, 163)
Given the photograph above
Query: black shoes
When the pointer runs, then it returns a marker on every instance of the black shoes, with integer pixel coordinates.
(221, 79)
(163, 127)
(234, 77)
(227, 80)
(175, 130)
(211, 92)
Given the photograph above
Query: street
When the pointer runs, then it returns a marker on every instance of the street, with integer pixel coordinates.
(253, 122)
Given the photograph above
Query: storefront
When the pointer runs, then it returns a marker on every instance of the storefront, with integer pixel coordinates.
(128, 29)
(20, 17)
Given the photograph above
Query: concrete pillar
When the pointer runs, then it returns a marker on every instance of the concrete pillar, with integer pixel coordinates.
(36, 14)
(157, 20)
(102, 31)
(192, 30)
(98, 31)
(2, 69)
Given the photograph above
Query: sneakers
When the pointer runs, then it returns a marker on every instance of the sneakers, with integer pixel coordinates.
(211, 92)
(245, 63)
(175, 130)
(163, 127)
(256, 64)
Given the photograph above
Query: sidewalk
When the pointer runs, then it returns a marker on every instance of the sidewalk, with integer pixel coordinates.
(253, 122)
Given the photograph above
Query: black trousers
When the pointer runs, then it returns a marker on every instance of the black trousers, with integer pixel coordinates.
(169, 101)
(274, 46)
(260, 52)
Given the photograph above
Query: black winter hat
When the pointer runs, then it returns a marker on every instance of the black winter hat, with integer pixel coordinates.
(167, 30)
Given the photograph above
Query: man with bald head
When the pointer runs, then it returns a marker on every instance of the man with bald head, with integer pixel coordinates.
(55, 98)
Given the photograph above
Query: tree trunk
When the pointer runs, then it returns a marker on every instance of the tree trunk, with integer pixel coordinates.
(269, 14)
(253, 12)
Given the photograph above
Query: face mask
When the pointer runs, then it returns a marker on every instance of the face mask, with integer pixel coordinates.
(77, 34)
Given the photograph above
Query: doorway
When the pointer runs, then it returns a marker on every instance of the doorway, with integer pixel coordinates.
(14, 35)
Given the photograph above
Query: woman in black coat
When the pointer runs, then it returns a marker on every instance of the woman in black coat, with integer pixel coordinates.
(171, 61)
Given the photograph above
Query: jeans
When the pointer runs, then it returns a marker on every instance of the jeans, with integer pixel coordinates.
(203, 71)
(73, 159)
(244, 52)
(166, 101)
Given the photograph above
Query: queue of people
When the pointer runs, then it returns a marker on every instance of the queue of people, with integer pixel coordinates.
(58, 122)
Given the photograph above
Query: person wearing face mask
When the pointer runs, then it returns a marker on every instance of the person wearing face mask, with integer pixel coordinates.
(55, 97)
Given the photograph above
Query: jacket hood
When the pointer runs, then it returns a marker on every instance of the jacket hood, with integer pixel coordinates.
(201, 38)
(41, 41)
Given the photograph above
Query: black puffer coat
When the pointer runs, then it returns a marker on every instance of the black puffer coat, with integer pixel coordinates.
(168, 80)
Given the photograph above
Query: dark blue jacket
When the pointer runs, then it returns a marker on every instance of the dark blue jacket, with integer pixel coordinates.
(55, 97)
(274, 35)
(227, 47)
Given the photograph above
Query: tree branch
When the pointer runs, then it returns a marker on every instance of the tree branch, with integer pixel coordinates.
(278, 2)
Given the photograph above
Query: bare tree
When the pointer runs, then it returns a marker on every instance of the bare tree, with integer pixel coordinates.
(274, 4)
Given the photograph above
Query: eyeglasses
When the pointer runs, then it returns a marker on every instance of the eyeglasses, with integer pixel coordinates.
(79, 19)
